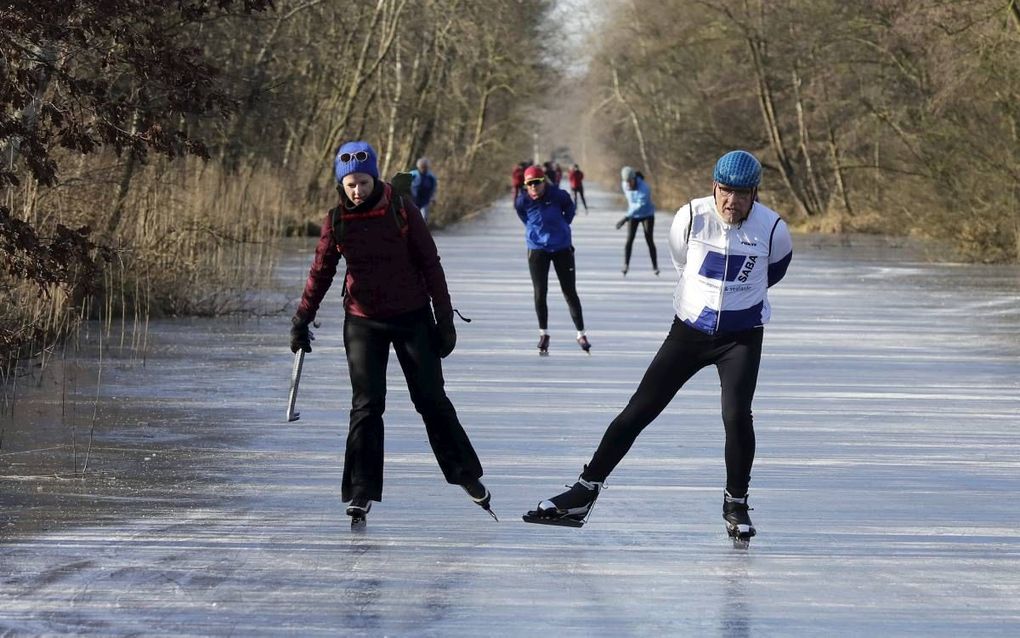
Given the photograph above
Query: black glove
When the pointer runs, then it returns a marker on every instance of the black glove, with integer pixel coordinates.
(446, 335)
(300, 335)
(620, 223)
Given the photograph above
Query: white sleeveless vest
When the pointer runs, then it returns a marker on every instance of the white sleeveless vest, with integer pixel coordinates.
(724, 268)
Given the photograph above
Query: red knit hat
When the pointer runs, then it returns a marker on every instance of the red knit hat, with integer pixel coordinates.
(533, 173)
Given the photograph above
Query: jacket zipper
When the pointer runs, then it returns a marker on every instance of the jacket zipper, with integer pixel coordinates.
(722, 284)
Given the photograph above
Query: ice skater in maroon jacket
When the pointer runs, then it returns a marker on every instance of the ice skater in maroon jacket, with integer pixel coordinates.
(395, 294)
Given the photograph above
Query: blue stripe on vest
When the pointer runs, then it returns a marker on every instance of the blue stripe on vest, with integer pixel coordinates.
(715, 263)
(737, 320)
(731, 320)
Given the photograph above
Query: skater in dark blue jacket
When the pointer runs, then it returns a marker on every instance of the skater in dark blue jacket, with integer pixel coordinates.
(546, 212)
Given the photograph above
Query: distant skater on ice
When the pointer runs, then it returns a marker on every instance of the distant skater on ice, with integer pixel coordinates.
(546, 212)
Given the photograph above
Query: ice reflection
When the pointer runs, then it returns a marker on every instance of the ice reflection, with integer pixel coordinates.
(735, 610)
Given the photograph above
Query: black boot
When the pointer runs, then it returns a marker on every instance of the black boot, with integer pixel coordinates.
(480, 495)
(738, 521)
(543, 345)
(358, 509)
(570, 508)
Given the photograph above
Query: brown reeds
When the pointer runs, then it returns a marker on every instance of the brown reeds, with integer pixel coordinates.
(192, 239)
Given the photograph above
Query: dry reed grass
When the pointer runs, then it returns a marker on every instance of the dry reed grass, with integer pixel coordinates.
(192, 239)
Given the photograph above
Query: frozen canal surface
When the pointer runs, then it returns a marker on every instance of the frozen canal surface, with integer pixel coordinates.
(885, 487)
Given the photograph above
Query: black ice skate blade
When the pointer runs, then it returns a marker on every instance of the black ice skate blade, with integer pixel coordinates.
(532, 517)
(543, 353)
(358, 523)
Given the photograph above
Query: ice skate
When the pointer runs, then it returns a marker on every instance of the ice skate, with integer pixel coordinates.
(358, 511)
(585, 345)
(480, 495)
(571, 508)
(543, 345)
(738, 522)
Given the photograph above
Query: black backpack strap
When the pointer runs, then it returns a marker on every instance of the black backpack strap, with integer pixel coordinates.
(398, 210)
(690, 222)
(339, 226)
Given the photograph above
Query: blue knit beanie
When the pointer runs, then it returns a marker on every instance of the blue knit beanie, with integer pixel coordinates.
(737, 169)
(355, 157)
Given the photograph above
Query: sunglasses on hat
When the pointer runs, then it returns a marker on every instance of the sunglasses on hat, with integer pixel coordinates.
(361, 156)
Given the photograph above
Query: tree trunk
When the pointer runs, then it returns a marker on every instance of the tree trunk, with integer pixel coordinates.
(813, 193)
(635, 122)
(837, 171)
(767, 104)
(385, 23)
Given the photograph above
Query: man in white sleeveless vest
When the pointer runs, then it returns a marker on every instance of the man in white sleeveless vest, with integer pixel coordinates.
(728, 249)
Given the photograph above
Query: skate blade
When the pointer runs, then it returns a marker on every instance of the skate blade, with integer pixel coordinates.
(358, 523)
(532, 517)
(741, 543)
(543, 353)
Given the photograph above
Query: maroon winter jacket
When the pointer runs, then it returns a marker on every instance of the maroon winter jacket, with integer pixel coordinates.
(389, 272)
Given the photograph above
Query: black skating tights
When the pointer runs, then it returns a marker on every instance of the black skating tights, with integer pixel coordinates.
(648, 226)
(684, 352)
(563, 262)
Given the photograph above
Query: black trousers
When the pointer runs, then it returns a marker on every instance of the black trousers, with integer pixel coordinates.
(648, 225)
(579, 191)
(563, 262)
(685, 351)
(367, 342)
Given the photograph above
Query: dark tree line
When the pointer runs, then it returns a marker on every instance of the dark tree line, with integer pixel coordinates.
(150, 152)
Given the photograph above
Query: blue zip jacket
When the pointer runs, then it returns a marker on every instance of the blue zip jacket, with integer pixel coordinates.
(546, 220)
(639, 200)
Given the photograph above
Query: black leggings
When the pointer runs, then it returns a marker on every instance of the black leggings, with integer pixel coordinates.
(684, 352)
(367, 342)
(579, 191)
(563, 262)
(648, 224)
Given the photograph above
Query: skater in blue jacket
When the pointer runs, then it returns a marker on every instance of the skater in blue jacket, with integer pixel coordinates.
(640, 212)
